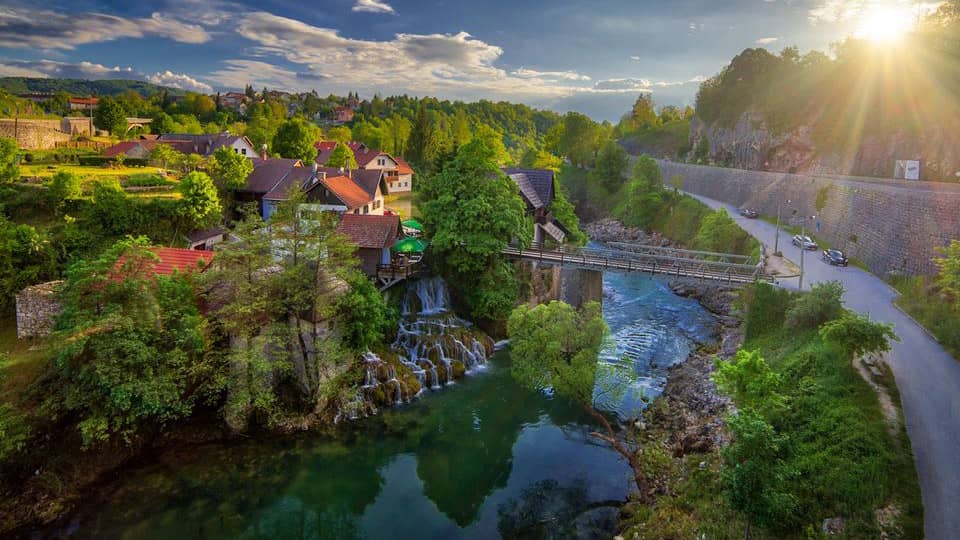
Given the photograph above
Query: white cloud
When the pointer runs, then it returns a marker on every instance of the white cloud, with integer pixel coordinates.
(635, 58)
(179, 80)
(373, 6)
(766, 40)
(94, 71)
(24, 28)
(553, 76)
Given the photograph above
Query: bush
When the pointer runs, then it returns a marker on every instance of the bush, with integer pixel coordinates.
(14, 431)
(766, 309)
(823, 303)
(146, 180)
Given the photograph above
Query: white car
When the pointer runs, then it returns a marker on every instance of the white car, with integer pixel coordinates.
(804, 242)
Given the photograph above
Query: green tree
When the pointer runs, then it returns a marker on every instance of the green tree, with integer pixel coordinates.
(754, 472)
(64, 186)
(200, 203)
(719, 233)
(579, 139)
(748, 379)
(110, 116)
(341, 134)
(423, 143)
(342, 156)
(294, 139)
(610, 165)
(564, 212)
(823, 303)
(131, 345)
(642, 197)
(949, 277)
(229, 169)
(858, 335)
(365, 318)
(27, 257)
(471, 211)
(554, 346)
(9, 169)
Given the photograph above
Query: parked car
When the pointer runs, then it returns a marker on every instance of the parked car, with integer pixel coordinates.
(749, 213)
(834, 257)
(804, 242)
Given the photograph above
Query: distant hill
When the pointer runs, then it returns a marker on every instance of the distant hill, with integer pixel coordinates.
(81, 87)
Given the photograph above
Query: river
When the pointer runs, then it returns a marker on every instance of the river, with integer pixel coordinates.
(481, 458)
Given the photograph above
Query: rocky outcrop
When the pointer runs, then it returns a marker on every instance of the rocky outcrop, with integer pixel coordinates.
(610, 230)
(750, 144)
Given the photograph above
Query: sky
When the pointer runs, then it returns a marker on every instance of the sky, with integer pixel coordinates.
(594, 56)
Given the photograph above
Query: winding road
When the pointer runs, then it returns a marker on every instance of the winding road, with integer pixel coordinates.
(928, 378)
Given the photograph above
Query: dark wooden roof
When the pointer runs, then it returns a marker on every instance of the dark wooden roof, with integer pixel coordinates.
(369, 231)
(536, 185)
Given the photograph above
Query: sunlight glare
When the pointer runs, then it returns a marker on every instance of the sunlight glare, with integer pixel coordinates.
(886, 24)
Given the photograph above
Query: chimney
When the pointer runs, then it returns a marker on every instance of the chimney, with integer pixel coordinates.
(263, 152)
(313, 168)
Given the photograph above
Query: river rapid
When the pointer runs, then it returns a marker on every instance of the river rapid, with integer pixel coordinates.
(479, 458)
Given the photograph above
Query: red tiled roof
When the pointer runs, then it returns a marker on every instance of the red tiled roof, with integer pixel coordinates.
(345, 189)
(370, 231)
(325, 145)
(84, 101)
(121, 148)
(180, 260)
(363, 154)
(402, 166)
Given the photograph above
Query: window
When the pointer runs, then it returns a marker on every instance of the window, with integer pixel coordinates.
(243, 151)
(376, 204)
(366, 209)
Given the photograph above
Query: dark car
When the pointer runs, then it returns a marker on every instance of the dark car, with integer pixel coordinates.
(834, 257)
(749, 213)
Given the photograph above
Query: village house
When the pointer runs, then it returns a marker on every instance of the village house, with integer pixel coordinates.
(207, 144)
(397, 173)
(537, 190)
(342, 115)
(232, 100)
(373, 236)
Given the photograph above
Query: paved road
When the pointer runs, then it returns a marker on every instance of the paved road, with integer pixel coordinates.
(928, 377)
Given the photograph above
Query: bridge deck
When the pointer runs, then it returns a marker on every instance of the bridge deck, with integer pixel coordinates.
(698, 265)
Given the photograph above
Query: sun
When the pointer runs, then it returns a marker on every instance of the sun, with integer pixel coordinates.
(886, 24)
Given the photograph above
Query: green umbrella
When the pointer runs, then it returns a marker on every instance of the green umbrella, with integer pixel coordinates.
(412, 224)
(410, 245)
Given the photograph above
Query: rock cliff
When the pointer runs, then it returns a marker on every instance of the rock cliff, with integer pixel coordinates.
(750, 144)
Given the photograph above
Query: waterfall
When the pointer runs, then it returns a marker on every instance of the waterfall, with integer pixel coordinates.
(432, 344)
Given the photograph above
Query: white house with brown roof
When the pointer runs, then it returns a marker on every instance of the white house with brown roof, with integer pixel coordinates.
(397, 173)
(206, 144)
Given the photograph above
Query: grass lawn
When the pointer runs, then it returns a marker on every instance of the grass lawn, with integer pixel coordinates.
(86, 171)
(922, 299)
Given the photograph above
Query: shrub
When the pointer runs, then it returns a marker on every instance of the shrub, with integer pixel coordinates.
(766, 309)
(823, 303)
(146, 180)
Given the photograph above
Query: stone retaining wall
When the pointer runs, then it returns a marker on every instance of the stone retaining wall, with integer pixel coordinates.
(37, 310)
(890, 225)
(34, 134)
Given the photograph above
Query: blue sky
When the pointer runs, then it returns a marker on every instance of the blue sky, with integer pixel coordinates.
(592, 56)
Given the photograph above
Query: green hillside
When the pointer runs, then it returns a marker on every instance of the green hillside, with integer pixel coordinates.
(81, 87)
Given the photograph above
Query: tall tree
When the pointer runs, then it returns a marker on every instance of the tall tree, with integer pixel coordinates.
(471, 211)
(342, 156)
(131, 349)
(295, 139)
(610, 166)
(579, 139)
(423, 144)
(110, 116)
(229, 169)
(200, 203)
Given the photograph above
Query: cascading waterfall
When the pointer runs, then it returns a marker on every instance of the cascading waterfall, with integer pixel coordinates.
(432, 337)
(433, 347)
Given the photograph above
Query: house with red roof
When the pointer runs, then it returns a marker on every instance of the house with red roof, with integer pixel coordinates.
(373, 236)
(172, 260)
(141, 148)
(83, 104)
(342, 115)
(397, 173)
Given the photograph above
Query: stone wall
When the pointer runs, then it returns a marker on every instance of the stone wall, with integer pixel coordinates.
(890, 225)
(37, 310)
(35, 134)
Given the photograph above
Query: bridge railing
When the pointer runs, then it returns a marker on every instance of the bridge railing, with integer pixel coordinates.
(685, 264)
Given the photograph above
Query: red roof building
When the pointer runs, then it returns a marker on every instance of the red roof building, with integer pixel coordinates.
(373, 235)
(170, 260)
(342, 115)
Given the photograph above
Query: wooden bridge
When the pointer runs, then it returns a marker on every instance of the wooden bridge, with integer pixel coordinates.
(654, 260)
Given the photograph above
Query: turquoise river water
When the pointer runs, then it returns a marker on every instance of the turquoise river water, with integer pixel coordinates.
(483, 458)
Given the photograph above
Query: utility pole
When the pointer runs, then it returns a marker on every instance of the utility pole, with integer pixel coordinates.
(803, 246)
(776, 239)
